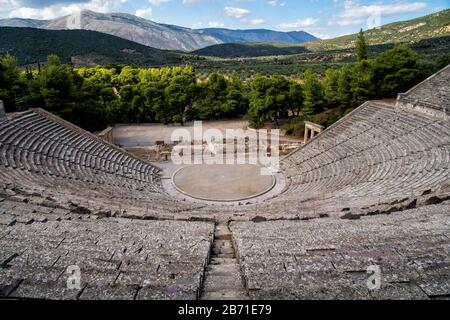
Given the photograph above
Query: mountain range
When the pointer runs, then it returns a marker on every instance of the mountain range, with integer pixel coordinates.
(160, 36)
(32, 40)
(435, 26)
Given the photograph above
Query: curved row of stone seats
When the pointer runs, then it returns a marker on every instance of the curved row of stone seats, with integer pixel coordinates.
(97, 197)
(347, 131)
(38, 142)
(377, 150)
(53, 158)
(432, 93)
(329, 258)
(117, 258)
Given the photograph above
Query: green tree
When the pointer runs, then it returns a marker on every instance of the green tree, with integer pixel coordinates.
(56, 88)
(237, 100)
(394, 71)
(313, 93)
(257, 112)
(361, 47)
(128, 76)
(295, 98)
(344, 93)
(155, 98)
(362, 86)
(179, 95)
(330, 84)
(213, 95)
(269, 99)
(442, 61)
(128, 108)
(11, 86)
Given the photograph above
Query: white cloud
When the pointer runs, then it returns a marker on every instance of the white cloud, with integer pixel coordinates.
(6, 5)
(275, 3)
(257, 22)
(321, 36)
(350, 3)
(157, 2)
(144, 13)
(33, 13)
(300, 23)
(352, 11)
(189, 2)
(347, 22)
(59, 10)
(215, 24)
(237, 13)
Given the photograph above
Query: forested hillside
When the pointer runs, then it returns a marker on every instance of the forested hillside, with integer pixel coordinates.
(239, 50)
(410, 31)
(79, 47)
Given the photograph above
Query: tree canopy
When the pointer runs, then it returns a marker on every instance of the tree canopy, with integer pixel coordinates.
(362, 48)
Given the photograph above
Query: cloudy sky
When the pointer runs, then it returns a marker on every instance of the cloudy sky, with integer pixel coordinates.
(323, 18)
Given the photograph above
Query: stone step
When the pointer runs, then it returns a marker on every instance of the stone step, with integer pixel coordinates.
(222, 235)
(219, 283)
(222, 277)
(217, 260)
(222, 227)
(223, 243)
(222, 269)
(222, 250)
(225, 295)
(225, 255)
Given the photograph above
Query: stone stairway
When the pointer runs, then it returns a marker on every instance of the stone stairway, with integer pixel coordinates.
(223, 278)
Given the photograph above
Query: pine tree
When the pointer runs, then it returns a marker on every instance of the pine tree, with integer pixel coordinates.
(331, 86)
(395, 70)
(9, 82)
(345, 86)
(362, 85)
(313, 94)
(361, 47)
